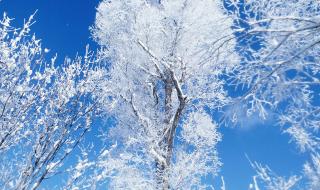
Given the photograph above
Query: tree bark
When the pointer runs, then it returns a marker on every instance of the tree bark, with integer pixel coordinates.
(169, 132)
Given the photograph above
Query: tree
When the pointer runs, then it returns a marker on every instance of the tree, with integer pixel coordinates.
(164, 78)
(280, 64)
(279, 45)
(45, 110)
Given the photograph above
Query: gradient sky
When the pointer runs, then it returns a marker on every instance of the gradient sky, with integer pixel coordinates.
(63, 26)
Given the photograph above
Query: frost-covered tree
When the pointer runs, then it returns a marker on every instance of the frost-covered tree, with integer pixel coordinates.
(279, 44)
(164, 78)
(45, 109)
(280, 73)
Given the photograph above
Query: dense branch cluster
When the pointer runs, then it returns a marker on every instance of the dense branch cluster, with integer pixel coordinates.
(280, 66)
(45, 110)
(160, 80)
(279, 45)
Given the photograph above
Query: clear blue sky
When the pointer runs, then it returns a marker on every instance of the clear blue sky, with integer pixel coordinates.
(63, 26)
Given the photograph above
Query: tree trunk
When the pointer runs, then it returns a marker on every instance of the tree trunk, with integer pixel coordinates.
(166, 145)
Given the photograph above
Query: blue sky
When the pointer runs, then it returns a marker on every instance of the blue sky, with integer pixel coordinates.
(63, 26)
